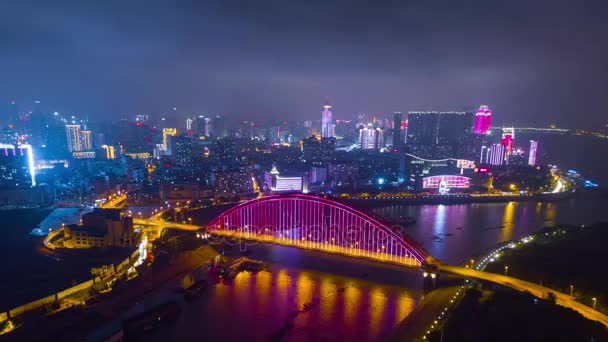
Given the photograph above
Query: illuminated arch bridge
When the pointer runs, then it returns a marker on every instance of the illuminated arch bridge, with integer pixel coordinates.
(317, 223)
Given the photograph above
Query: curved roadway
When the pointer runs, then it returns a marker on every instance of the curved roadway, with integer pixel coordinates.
(536, 290)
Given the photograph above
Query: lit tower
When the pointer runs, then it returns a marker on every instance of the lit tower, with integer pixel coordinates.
(327, 123)
(483, 119)
(72, 132)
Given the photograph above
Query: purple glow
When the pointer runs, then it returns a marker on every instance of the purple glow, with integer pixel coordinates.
(317, 223)
(483, 119)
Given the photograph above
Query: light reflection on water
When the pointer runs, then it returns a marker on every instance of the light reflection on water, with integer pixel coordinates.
(453, 232)
(257, 305)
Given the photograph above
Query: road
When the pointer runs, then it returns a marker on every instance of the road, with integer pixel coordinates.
(430, 306)
(165, 224)
(536, 290)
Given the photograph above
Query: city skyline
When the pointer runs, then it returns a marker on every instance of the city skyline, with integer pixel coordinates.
(252, 62)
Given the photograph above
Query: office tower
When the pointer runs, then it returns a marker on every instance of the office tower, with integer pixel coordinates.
(397, 132)
(439, 134)
(167, 132)
(85, 140)
(532, 152)
(370, 137)
(327, 123)
(72, 132)
(181, 150)
(483, 119)
(17, 166)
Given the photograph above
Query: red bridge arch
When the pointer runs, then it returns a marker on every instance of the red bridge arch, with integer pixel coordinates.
(318, 223)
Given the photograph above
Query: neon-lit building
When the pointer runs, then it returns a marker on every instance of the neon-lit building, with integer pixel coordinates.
(17, 169)
(483, 119)
(327, 123)
(275, 183)
(497, 154)
(492, 155)
(532, 153)
(167, 132)
(445, 182)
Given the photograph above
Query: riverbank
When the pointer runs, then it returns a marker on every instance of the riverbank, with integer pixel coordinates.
(374, 201)
(569, 259)
(498, 314)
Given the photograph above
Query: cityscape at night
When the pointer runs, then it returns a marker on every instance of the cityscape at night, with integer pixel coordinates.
(303, 171)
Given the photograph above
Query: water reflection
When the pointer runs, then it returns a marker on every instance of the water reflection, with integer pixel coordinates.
(453, 232)
(343, 309)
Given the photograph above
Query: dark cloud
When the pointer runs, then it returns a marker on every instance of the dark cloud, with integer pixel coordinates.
(533, 62)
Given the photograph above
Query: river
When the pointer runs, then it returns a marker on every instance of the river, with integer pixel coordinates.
(354, 302)
(454, 232)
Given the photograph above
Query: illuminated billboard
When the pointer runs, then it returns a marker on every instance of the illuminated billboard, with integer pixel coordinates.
(465, 164)
(449, 182)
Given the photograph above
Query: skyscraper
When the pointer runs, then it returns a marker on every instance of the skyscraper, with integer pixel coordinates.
(483, 119)
(85, 140)
(397, 133)
(166, 133)
(532, 153)
(327, 123)
(72, 132)
(496, 155)
(16, 166)
(370, 137)
(439, 134)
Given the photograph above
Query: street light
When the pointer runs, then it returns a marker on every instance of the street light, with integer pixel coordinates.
(571, 289)
(594, 302)
(472, 261)
(506, 269)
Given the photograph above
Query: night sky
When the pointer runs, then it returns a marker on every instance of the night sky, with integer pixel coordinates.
(533, 62)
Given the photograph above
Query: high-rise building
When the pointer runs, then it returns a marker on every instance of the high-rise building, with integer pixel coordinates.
(439, 134)
(17, 166)
(167, 132)
(508, 135)
(496, 155)
(370, 137)
(181, 150)
(85, 140)
(72, 132)
(327, 123)
(483, 119)
(110, 152)
(532, 152)
(397, 132)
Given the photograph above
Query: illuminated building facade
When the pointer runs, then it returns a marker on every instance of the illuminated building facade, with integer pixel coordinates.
(17, 169)
(371, 138)
(532, 153)
(110, 151)
(73, 138)
(276, 183)
(85, 140)
(445, 182)
(327, 123)
(495, 154)
(483, 119)
(167, 132)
